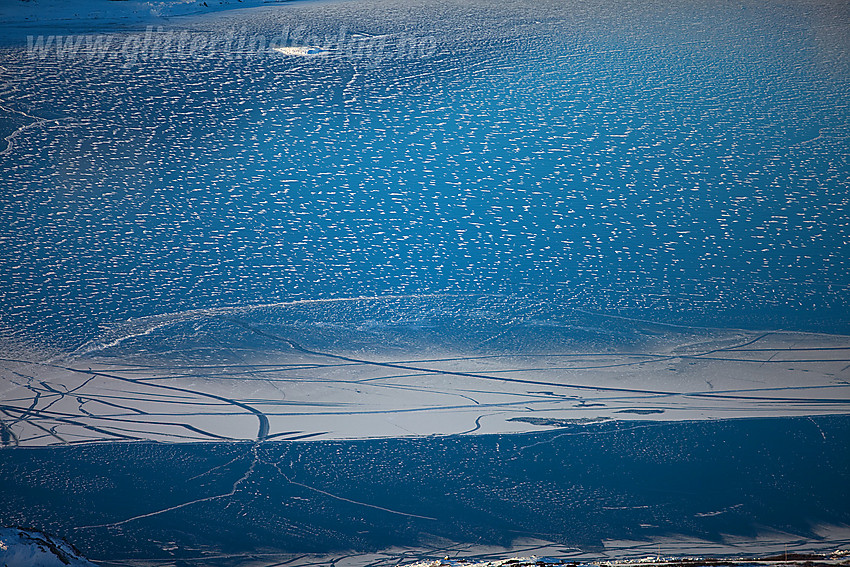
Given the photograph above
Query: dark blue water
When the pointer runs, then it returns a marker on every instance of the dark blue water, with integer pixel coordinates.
(576, 487)
(678, 162)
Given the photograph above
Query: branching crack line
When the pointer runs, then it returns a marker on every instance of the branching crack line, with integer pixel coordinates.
(262, 433)
(300, 348)
(350, 501)
(232, 492)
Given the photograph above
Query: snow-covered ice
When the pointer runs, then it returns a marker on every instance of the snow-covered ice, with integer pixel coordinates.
(334, 370)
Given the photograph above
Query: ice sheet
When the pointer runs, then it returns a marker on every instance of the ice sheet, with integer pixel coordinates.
(335, 370)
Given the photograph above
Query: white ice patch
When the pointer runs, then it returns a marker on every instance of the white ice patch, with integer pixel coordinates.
(302, 51)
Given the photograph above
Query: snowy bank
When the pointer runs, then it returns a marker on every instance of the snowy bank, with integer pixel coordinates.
(30, 548)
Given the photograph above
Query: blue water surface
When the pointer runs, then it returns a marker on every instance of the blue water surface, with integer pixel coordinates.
(678, 161)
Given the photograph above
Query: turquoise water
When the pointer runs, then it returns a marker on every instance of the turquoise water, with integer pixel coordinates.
(681, 162)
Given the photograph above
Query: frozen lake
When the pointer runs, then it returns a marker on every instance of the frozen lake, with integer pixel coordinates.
(374, 281)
